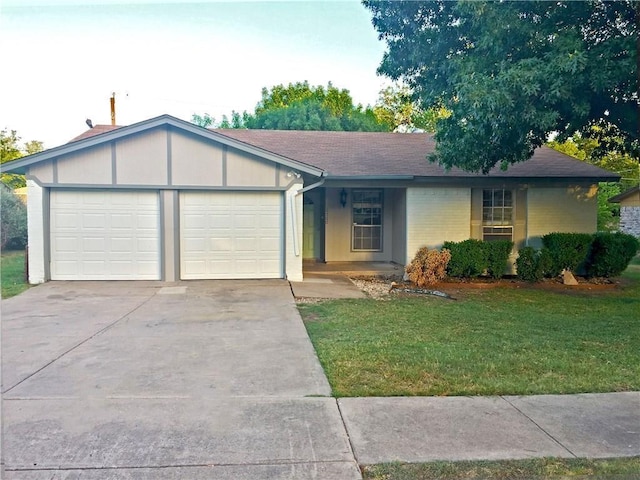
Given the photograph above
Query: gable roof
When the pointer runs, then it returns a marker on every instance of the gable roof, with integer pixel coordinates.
(96, 130)
(384, 155)
(339, 155)
(109, 133)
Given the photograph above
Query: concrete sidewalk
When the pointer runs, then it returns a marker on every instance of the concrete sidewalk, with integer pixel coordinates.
(424, 429)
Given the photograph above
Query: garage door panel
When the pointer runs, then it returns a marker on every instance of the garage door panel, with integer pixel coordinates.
(240, 236)
(98, 235)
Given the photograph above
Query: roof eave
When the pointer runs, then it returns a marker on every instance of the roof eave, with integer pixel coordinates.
(20, 165)
(627, 193)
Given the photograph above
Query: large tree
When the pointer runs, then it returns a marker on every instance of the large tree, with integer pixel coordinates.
(396, 106)
(11, 148)
(511, 73)
(300, 106)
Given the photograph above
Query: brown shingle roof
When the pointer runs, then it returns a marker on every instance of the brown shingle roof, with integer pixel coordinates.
(352, 154)
(96, 130)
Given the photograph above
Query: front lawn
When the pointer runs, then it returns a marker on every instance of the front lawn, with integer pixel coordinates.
(499, 341)
(12, 280)
(620, 468)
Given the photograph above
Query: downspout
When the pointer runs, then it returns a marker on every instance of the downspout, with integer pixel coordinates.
(294, 217)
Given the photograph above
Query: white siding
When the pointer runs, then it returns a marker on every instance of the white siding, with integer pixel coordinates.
(293, 234)
(572, 209)
(36, 232)
(437, 215)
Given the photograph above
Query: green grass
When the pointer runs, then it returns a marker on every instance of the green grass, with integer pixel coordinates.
(12, 281)
(500, 341)
(543, 468)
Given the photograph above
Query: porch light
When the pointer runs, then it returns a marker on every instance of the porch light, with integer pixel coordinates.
(343, 198)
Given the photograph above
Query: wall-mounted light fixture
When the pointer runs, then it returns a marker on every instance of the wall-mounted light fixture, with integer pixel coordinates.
(343, 198)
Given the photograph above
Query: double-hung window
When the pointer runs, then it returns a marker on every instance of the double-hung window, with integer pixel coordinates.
(367, 220)
(497, 214)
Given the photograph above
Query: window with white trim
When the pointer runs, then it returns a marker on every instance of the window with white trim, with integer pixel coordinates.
(497, 214)
(366, 207)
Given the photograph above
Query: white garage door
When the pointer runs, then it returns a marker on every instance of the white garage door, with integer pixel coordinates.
(225, 235)
(104, 235)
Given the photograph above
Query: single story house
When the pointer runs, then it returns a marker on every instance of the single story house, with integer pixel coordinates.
(164, 199)
(629, 201)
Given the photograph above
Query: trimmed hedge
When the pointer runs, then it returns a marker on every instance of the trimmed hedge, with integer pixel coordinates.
(498, 252)
(468, 258)
(567, 251)
(602, 254)
(473, 258)
(611, 253)
(533, 265)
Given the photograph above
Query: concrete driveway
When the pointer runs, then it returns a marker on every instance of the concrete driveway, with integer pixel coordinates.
(143, 380)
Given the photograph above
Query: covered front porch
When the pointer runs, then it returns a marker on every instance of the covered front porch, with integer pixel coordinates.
(358, 228)
(312, 268)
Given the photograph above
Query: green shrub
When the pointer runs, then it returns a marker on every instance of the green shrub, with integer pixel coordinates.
(497, 252)
(528, 265)
(532, 265)
(13, 220)
(611, 253)
(567, 250)
(468, 258)
(428, 266)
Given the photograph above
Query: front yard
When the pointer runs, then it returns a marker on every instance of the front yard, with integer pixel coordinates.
(499, 341)
(12, 278)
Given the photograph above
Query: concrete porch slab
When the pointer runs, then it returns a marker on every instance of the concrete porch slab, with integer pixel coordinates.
(326, 286)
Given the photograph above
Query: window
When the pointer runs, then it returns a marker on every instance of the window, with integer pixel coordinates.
(367, 220)
(497, 214)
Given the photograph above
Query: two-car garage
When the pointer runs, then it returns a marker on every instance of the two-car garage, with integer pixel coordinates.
(117, 235)
(163, 200)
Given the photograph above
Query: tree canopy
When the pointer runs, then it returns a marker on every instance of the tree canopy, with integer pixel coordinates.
(300, 106)
(397, 107)
(511, 73)
(11, 148)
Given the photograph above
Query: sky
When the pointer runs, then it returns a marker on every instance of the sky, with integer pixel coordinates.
(63, 59)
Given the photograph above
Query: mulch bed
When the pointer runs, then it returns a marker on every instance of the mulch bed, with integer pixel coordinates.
(381, 287)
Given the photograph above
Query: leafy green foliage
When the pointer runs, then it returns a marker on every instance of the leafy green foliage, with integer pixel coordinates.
(608, 213)
(497, 252)
(13, 221)
(428, 267)
(511, 73)
(300, 106)
(611, 253)
(468, 258)
(567, 250)
(10, 149)
(533, 265)
(396, 106)
(472, 258)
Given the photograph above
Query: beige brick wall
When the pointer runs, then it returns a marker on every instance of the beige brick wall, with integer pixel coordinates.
(436, 215)
(557, 209)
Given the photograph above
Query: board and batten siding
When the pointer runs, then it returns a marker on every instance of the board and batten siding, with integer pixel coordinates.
(162, 158)
(437, 215)
(560, 209)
